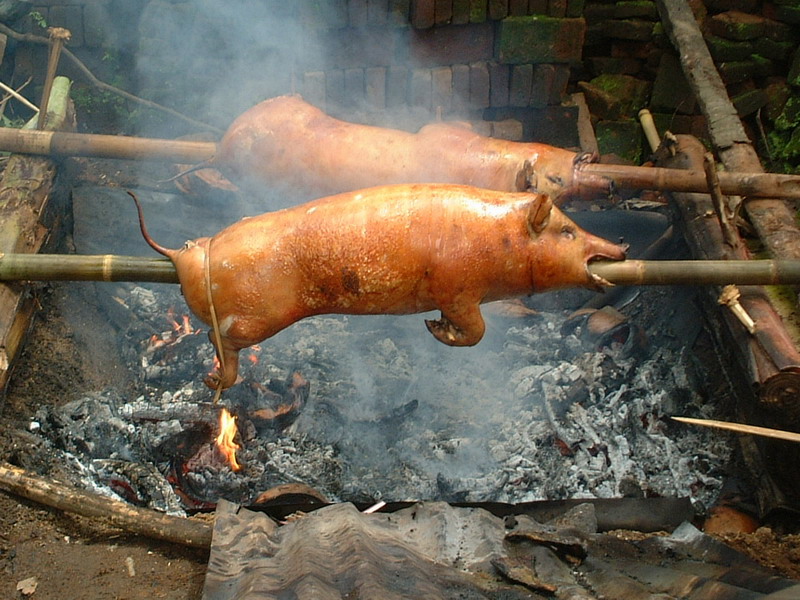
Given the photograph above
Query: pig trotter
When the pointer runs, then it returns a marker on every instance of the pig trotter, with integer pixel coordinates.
(226, 373)
(458, 327)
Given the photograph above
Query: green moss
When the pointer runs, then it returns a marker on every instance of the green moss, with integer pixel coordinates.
(790, 115)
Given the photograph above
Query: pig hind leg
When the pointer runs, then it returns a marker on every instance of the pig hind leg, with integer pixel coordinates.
(460, 325)
(227, 371)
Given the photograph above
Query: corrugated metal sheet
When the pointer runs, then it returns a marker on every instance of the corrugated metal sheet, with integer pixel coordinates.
(435, 550)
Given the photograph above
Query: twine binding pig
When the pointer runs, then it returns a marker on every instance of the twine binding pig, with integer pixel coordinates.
(397, 249)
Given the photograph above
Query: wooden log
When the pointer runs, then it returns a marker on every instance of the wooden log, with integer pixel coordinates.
(773, 220)
(140, 521)
(30, 212)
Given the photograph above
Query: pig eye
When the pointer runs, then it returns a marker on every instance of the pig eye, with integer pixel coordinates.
(568, 232)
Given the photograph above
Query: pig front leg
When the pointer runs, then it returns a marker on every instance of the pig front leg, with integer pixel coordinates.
(460, 325)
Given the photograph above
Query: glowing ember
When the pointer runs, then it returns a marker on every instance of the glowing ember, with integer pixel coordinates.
(225, 443)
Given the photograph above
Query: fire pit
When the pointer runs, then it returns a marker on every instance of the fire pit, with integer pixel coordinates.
(362, 408)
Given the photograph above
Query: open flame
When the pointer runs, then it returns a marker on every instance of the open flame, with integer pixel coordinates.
(225, 443)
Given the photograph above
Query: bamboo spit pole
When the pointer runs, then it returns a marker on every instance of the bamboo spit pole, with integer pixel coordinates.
(111, 267)
(64, 144)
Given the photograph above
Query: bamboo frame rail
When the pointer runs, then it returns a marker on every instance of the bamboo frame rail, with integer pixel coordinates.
(63, 144)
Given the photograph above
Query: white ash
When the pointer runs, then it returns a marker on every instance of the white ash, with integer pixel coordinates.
(527, 414)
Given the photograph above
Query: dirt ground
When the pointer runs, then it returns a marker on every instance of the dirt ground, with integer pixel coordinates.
(59, 555)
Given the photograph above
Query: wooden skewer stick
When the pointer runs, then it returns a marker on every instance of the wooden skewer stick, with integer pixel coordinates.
(58, 36)
(778, 434)
(112, 267)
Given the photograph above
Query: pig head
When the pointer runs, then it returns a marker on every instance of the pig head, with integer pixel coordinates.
(396, 249)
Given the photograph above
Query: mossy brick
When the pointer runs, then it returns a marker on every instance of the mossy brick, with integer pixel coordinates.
(615, 97)
(357, 13)
(723, 49)
(623, 138)
(773, 49)
(558, 88)
(575, 8)
(517, 8)
(789, 118)
(777, 94)
(377, 13)
(749, 101)
(671, 90)
(460, 12)
(636, 30)
(788, 14)
(737, 25)
(598, 13)
(636, 9)
(614, 65)
(793, 76)
(556, 8)
(498, 9)
(478, 11)
(737, 71)
(717, 6)
(536, 39)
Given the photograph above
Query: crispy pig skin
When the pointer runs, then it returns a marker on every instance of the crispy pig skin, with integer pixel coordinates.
(286, 144)
(396, 249)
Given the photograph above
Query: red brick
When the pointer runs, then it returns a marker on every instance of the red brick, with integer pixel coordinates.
(314, 88)
(354, 90)
(499, 81)
(507, 129)
(356, 47)
(479, 85)
(357, 11)
(423, 13)
(399, 11)
(334, 88)
(420, 88)
(396, 87)
(542, 85)
(517, 8)
(375, 87)
(460, 88)
(451, 45)
(377, 12)
(442, 12)
(521, 81)
(537, 7)
(560, 83)
(442, 86)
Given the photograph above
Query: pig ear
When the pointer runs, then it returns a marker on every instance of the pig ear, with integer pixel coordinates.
(539, 212)
(526, 178)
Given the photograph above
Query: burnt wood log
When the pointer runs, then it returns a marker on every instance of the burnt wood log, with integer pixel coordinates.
(32, 212)
(772, 219)
(768, 361)
(141, 521)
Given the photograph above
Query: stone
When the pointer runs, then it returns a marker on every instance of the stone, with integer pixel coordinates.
(615, 97)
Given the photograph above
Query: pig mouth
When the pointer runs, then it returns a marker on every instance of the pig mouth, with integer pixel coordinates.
(598, 282)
